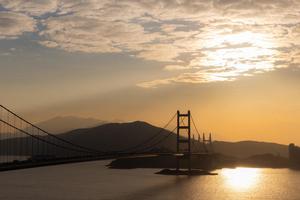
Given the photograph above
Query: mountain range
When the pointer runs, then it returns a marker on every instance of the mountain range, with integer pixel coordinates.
(120, 136)
(140, 136)
(64, 124)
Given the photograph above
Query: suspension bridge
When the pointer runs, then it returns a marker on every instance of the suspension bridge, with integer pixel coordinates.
(24, 145)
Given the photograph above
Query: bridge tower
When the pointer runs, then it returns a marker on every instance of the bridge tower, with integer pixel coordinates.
(183, 153)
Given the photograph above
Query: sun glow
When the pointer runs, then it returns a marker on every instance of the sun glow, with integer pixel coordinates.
(241, 178)
(238, 53)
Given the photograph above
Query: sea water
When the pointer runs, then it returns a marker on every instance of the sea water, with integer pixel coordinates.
(94, 181)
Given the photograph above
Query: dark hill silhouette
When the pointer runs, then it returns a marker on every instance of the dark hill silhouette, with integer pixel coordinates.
(68, 123)
(119, 136)
(124, 135)
(244, 149)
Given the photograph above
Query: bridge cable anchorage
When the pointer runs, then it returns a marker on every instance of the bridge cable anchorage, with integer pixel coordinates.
(40, 139)
(52, 135)
(162, 129)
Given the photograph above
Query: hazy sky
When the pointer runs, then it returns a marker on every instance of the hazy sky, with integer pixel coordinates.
(234, 63)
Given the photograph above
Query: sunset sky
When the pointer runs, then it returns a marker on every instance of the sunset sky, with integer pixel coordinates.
(234, 63)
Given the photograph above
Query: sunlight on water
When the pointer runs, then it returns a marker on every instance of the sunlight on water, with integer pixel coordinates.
(94, 181)
(241, 179)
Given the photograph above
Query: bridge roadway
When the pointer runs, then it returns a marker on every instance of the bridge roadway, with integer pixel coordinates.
(19, 137)
(31, 164)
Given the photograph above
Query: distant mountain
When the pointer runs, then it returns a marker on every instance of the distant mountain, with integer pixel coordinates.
(250, 148)
(116, 136)
(140, 136)
(106, 138)
(68, 123)
(121, 136)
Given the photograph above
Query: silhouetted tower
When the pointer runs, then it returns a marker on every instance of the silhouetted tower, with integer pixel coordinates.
(204, 142)
(210, 143)
(207, 141)
(187, 128)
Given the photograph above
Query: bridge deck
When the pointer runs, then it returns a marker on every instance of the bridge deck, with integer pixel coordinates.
(32, 164)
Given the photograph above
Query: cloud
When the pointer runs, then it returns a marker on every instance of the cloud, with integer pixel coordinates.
(175, 67)
(215, 40)
(32, 7)
(77, 33)
(155, 83)
(195, 78)
(160, 52)
(13, 25)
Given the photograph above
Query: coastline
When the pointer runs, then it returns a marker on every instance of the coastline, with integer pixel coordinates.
(209, 163)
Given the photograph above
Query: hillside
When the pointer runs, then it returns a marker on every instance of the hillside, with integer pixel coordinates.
(125, 136)
(250, 148)
(119, 136)
(68, 123)
(116, 136)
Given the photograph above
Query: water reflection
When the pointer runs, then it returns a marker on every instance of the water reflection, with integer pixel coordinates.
(241, 179)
